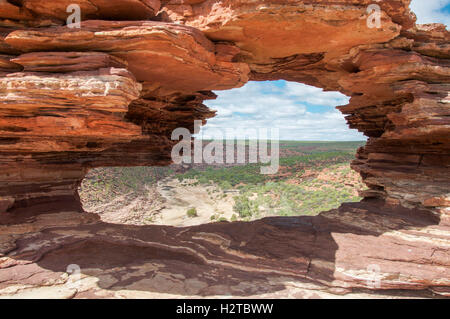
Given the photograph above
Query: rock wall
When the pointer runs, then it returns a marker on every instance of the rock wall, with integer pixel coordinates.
(363, 250)
(111, 92)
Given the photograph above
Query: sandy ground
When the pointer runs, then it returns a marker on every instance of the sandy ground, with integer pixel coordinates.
(167, 201)
(167, 204)
(180, 196)
(123, 210)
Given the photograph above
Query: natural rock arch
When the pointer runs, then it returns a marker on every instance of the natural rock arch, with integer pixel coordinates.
(111, 92)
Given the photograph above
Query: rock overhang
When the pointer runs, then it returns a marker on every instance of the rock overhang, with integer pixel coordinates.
(145, 78)
(111, 93)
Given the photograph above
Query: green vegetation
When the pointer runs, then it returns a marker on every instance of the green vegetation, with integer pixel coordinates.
(229, 177)
(192, 212)
(103, 185)
(226, 178)
(272, 195)
(323, 145)
(331, 157)
(245, 207)
(279, 198)
(313, 177)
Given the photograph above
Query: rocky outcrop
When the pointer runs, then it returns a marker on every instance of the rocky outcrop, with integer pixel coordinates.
(110, 93)
(93, 109)
(353, 251)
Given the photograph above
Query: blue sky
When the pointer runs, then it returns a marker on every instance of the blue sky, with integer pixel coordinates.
(300, 112)
(432, 11)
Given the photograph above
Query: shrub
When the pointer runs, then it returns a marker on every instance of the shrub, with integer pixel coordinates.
(225, 185)
(192, 212)
(244, 207)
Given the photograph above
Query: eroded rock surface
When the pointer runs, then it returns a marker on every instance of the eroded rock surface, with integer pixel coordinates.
(111, 92)
(347, 252)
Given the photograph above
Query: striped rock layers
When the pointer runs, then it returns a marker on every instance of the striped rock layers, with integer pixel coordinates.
(110, 93)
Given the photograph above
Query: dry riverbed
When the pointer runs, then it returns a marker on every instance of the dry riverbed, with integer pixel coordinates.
(167, 203)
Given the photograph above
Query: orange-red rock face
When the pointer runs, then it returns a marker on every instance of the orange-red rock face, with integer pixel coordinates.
(111, 92)
(353, 250)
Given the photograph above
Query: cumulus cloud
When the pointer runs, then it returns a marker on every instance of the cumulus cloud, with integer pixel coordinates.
(431, 11)
(313, 95)
(300, 112)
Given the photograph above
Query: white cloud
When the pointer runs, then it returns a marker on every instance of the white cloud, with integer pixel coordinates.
(430, 11)
(267, 105)
(313, 95)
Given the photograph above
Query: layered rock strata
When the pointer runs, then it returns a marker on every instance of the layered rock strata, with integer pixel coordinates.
(363, 250)
(111, 92)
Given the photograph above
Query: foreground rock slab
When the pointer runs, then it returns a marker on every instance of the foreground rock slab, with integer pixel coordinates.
(349, 252)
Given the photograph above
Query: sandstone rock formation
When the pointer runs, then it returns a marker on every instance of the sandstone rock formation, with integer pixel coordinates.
(110, 93)
(353, 251)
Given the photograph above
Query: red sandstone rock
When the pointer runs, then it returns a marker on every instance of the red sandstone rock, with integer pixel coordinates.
(7, 65)
(10, 11)
(6, 203)
(67, 61)
(111, 92)
(356, 247)
(155, 52)
(96, 9)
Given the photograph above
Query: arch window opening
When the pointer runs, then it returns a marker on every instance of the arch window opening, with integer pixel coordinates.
(314, 146)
